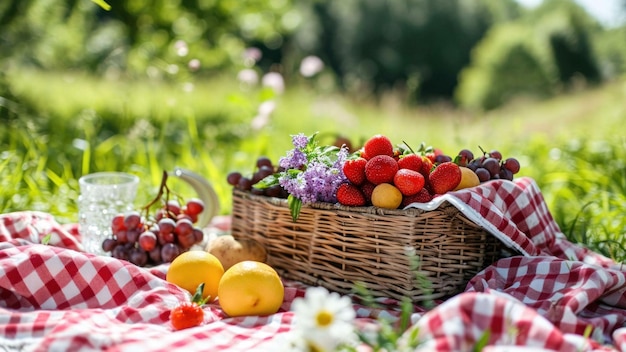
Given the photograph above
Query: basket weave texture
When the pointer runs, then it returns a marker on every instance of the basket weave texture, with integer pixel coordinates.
(335, 246)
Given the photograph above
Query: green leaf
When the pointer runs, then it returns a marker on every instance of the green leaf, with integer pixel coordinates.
(295, 204)
(102, 4)
(405, 317)
(197, 297)
(482, 341)
(46, 239)
(267, 182)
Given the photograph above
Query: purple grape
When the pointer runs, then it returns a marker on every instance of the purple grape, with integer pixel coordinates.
(155, 255)
(483, 174)
(506, 174)
(132, 220)
(233, 178)
(492, 165)
(138, 257)
(264, 161)
(169, 252)
(109, 244)
(512, 165)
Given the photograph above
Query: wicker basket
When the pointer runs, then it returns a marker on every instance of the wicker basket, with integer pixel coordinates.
(336, 246)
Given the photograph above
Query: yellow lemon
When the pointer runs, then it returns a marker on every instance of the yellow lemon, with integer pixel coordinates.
(194, 267)
(386, 195)
(250, 288)
(468, 179)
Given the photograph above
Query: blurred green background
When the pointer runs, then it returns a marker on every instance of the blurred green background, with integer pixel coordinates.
(211, 85)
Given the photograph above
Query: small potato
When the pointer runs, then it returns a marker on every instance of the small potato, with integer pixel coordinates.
(231, 251)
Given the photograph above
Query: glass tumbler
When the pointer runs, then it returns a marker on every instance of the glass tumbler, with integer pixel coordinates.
(102, 196)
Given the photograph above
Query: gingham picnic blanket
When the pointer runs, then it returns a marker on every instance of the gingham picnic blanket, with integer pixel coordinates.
(555, 296)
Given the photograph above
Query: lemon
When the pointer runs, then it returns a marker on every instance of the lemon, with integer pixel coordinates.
(250, 288)
(468, 179)
(194, 267)
(386, 195)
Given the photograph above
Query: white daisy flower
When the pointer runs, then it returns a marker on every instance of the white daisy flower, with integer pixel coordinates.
(325, 320)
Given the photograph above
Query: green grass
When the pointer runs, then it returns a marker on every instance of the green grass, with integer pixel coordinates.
(68, 124)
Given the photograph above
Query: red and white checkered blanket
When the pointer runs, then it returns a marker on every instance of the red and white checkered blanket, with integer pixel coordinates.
(556, 296)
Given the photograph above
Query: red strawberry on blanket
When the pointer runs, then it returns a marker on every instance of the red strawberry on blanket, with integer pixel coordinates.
(378, 145)
(354, 170)
(189, 314)
(350, 195)
(381, 169)
(186, 315)
(445, 177)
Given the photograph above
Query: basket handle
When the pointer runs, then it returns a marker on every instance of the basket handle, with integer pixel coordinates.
(205, 192)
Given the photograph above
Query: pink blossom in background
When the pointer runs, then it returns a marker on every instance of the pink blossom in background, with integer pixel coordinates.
(311, 65)
(275, 81)
(248, 76)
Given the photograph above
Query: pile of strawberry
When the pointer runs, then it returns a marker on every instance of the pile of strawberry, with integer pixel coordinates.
(418, 177)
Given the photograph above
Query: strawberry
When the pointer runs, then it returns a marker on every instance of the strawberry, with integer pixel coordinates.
(381, 169)
(350, 195)
(411, 162)
(378, 145)
(427, 166)
(189, 314)
(408, 181)
(354, 170)
(186, 315)
(423, 196)
(445, 177)
(368, 188)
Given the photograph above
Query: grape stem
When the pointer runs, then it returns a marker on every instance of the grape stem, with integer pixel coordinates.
(162, 188)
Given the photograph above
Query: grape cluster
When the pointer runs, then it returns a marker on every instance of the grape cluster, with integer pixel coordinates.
(264, 168)
(490, 165)
(152, 240)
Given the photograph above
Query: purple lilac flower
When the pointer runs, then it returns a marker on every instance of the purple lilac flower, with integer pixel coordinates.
(300, 141)
(295, 159)
(319, 175)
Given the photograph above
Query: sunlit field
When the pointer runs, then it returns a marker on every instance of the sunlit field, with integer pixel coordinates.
(64, 125)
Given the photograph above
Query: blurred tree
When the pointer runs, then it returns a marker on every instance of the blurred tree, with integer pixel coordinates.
(505, 64)
(420, 45)
(539, 55)
(156, 37)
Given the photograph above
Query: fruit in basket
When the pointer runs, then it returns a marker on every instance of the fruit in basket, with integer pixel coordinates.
(423, 196)
(490, 166)
(410, 161)
(354, 170)
(231, 251)
(264, 168)
(350, 195)
(195, 267)
(250, 288)
(386, 195)
(468, 179)
(377, 145)
(409, 182)
(381, 169)
(444, 177)
(427, 167)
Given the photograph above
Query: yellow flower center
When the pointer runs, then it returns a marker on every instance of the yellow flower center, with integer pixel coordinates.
(324, 318)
